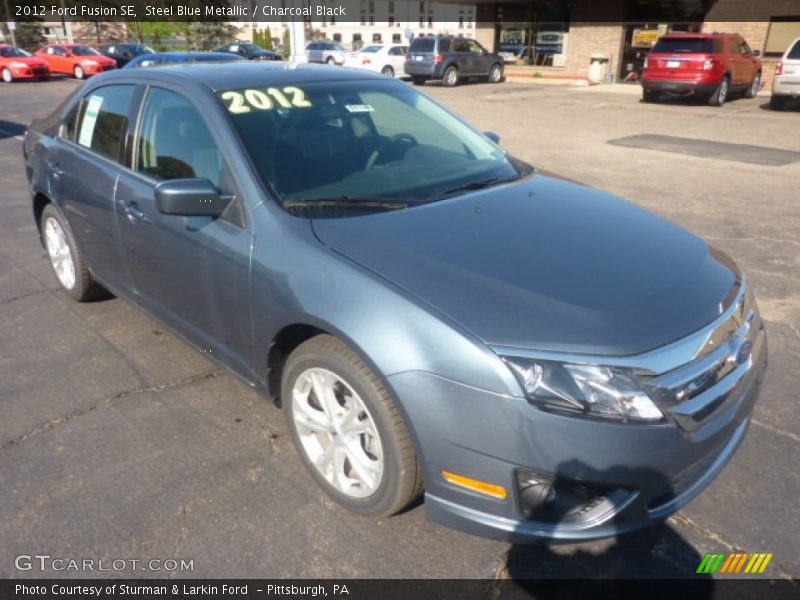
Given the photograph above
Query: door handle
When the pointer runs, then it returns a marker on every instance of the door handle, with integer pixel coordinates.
(131, 210)
(55, 170)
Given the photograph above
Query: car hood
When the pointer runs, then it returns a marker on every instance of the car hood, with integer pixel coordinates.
(31, 61)
(545, 264)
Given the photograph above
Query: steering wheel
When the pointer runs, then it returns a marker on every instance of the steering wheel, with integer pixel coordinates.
(406, 138)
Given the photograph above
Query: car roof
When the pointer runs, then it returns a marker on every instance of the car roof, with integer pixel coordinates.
(242, 74)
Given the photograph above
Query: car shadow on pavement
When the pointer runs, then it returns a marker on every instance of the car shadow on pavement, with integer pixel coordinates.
(655, 552)
(793, 105)
(10, 129)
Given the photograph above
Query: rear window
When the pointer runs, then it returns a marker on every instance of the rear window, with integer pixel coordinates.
(794, 53)
(686, 45)
(422, 45)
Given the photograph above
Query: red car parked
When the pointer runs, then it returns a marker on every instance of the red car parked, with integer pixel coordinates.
(15, 64)
(75, 59)
(710, 65)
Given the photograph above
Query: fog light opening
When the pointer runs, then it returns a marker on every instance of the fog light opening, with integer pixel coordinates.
(546, 499)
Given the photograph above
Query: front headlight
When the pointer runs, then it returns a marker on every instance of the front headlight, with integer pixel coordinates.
(584, 390)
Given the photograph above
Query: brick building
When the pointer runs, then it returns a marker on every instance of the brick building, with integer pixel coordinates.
(564, 34)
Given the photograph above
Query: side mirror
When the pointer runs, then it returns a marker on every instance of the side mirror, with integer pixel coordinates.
(492, 136)
(190, 198)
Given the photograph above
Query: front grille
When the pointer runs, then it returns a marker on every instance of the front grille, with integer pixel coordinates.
(696, 390)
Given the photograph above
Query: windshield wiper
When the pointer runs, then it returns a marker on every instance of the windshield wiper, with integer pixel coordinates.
(478, 185)
(347, 203)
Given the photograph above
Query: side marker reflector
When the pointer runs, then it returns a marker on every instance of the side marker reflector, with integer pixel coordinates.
(488, 489)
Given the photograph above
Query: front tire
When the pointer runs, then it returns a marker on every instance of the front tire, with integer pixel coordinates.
(347, 429)
(720, 95)
(7, 75)
(496, 74)
(66, 259)
(754, 88)
(78, 72)
(450, 77)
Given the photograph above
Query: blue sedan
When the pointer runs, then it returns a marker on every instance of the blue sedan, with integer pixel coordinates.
(159, 59)
(431, 313)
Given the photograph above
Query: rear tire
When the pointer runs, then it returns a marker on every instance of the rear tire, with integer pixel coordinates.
(66, 259)
(78, 72)
(450, 77)
(365, 462)
(778, 102)
(418, 80)
(754, 88)
(388, 71)
(720, 95)
(650, 96)
(329, 60)
(7, 76)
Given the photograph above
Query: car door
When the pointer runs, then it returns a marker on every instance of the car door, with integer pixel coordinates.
(480, 58)
(397, 59)
(84, 167)
(190, 272)
(739, 62)
(463, 57)
(57, 58)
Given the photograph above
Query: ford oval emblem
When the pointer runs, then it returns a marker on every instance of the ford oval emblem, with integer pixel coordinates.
(744, 352)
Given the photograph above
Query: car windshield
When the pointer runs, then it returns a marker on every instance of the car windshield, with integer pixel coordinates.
(142, 49)
(12, 52)
(337, 47)
(684, 45)
(369, 140)
(83, 51)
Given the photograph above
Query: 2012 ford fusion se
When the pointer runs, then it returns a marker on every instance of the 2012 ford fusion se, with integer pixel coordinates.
(543, 359)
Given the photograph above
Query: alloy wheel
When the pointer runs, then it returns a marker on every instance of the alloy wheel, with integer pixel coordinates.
(59, 252)
(7, 76)
(337, 432)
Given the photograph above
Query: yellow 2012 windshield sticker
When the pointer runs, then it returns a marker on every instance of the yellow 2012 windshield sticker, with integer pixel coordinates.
(245, 101)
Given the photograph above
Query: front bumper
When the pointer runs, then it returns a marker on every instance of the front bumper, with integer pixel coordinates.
(648, 470)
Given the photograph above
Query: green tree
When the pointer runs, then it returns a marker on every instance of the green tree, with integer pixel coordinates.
(29, 36)
(287, 45)
(267, 39)
(209, 35)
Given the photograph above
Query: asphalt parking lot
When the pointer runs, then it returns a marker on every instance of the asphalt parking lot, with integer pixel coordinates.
(117, 441)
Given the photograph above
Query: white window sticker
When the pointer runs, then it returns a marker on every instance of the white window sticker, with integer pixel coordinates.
(234, 48)
(89, 121)
(359, 108)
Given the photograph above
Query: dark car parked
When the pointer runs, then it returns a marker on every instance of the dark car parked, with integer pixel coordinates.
(124, 53)
(160, 59)
(708, 65)
(451, 59)
(548, 359)
(250, 51)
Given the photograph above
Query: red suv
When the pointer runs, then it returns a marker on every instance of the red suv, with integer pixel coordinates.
(710, 65)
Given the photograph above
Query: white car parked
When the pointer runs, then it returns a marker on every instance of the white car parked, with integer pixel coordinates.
(387, 59)
(786, 84)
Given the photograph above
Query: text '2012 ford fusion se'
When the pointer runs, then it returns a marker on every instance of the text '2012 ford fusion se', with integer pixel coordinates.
(543, 359)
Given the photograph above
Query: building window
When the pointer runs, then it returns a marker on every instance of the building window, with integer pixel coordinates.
(396, 38)
(376, 37)
(391, 21)
(430, 21)
(461, 22)
(782, 32)
(337, 37)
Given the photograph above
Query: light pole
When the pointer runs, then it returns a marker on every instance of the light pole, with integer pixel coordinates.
(12, 25)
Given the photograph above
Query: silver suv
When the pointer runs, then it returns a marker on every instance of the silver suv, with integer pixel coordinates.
(329, 53)
(786, 83)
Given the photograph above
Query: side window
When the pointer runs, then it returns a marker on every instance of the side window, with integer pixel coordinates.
(71, 123)
(104, 121)
(461, 46)
(475, 47)
(174, 141)
(444, 45)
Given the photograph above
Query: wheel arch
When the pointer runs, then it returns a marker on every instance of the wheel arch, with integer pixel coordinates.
(40, 201)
